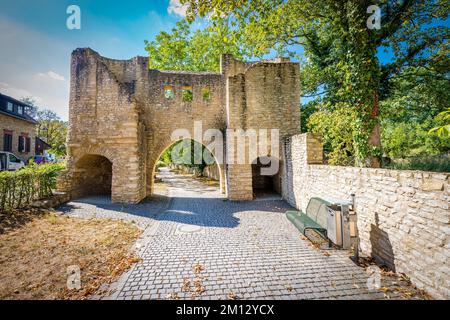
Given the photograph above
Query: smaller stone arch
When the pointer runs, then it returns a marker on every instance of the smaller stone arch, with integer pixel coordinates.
(265, 179)
(92, 175)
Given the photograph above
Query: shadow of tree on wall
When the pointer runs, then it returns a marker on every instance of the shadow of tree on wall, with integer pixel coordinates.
(382, 251)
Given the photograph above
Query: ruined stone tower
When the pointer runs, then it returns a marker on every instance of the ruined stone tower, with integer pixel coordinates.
(122, 116)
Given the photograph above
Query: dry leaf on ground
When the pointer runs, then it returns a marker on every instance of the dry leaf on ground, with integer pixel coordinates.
(36, 255)
(198, 268)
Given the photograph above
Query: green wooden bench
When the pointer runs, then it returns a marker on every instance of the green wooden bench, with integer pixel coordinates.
(315, 218)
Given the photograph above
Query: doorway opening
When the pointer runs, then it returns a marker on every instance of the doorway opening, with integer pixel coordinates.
(94, 175)
(187, 165)
(266, 179)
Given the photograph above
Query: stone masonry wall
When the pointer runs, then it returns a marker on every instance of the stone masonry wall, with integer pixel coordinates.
(103, 121)
(119, 110)
(403, 216)
(261, 95)
(18, 127)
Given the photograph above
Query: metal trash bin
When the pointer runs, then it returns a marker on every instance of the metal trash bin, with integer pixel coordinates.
(339, 229)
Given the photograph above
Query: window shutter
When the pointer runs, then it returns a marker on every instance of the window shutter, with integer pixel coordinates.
(7, 142)
(21, 144)
(27, 144)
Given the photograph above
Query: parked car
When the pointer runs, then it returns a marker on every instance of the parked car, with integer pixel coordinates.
(8, 161)
(39, 159)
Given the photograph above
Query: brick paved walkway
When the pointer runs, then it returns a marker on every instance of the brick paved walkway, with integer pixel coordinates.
(247, 250)
(243, 250)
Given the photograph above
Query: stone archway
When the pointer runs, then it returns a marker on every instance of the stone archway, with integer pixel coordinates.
(128, 112)
(151, 175)
(264, 183)
(94, 176)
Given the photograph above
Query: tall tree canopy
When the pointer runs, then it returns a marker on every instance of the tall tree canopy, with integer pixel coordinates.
(52, 130)
(340, 66)
(352, 91)
(50, 127)
(184, 49)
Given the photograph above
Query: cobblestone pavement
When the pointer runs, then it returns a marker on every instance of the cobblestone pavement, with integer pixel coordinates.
(142, 214)
(198, 245)
(205, 247)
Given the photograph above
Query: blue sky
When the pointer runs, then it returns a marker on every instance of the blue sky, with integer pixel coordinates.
(36, 44)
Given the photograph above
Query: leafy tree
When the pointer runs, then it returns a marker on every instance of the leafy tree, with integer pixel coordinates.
(411, 110)
(341, 64)
(189, 153)
(443, 130)
(184, 49)
(52, 130)
(31, 108)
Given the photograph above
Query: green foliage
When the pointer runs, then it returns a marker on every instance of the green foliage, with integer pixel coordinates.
(52, 130)
(189, 153)
(334, 126)
(184, 49)
(340, 65)
(415, 106)
(206, 94)
(409, 139)
(426, 163)
(187, 95)
(442, 130)
(20, 188)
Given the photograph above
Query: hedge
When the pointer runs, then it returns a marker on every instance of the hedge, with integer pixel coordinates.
(20, 188)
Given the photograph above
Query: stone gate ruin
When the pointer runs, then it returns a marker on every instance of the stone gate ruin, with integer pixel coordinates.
(122, 115)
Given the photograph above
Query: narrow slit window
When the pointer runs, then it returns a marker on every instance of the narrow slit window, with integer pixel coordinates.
(187, 94)
(168, 92)
(206, 94)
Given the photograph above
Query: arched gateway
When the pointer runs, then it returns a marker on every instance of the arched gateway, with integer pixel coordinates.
(123, 115)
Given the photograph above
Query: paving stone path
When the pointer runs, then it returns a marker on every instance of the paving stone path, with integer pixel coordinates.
(201, 246)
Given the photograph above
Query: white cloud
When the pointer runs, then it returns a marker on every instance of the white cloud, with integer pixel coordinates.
(21, 70)
(177, 8)
(53, 75)
(17, 93)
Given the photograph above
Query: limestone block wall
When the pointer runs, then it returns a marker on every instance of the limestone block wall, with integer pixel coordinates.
(403, 216)
(120, 110)
(17, 128)
(104, 121)
(261, 95)
(162, 116)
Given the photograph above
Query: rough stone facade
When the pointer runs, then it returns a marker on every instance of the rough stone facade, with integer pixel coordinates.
(16, 128)
(403, 216)
(119, 111)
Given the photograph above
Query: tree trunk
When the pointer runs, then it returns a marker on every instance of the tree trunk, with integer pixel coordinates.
(375, 136)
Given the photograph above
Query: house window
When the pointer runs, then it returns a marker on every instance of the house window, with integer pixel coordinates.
(21, 146)
(20, 110)
(168, 92)
(206, 94)
(9, 106)
(7, 142)
(27, 144)
(187, 94)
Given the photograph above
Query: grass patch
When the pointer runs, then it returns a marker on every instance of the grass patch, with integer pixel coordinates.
(37, 248)
(431, 163)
